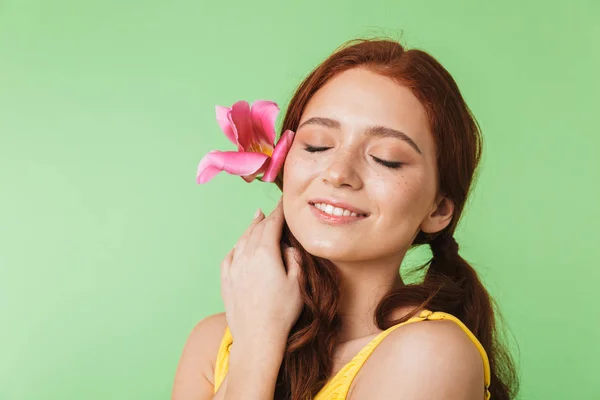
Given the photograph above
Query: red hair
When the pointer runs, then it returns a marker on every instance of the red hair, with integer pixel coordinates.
(450, 284)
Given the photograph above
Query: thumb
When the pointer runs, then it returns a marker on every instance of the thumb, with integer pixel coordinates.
(292, 259)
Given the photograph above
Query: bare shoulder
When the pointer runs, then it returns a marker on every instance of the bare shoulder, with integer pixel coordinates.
(194, 378)
(209, 332)
(423, 360)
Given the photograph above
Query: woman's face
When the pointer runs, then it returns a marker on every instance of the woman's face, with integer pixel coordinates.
(358, 121)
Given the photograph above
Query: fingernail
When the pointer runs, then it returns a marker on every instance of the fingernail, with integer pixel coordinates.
(280, 199)
(257, 213)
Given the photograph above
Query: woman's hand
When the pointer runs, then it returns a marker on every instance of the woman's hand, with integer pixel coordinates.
(262, 300)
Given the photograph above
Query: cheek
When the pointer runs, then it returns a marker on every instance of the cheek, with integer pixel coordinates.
(397, 198)
(297, 170)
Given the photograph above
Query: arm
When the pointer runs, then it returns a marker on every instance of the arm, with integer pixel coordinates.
(253, 368)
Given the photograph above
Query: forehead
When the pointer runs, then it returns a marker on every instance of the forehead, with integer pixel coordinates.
(359, 98)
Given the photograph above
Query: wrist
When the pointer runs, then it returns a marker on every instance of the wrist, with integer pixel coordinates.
(253, 346)
(261, 338)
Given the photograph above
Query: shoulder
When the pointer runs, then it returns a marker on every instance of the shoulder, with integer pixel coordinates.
(424, 360)
(205, 339)
(195, 371)
(210, 329)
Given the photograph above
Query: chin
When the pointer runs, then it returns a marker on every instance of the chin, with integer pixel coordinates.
(329, 251)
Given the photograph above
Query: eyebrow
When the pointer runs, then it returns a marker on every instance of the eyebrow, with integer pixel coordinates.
(375, 130)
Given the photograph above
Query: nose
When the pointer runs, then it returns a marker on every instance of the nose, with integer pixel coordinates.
(342, 171)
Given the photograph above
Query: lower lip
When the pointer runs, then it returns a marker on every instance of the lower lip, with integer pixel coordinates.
(334, 219)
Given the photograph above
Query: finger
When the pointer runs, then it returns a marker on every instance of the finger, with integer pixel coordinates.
(292, 259)
(273, 225)
(256, 238)
(242, 241)
(226, 263)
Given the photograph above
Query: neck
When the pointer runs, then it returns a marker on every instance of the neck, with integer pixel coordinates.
(362, 287)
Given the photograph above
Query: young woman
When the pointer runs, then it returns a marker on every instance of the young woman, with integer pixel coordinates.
(383, 159)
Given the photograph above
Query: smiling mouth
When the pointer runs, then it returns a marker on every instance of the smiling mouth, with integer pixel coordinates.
(356, 216)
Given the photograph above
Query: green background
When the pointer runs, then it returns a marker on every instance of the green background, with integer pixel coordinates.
(110, 252)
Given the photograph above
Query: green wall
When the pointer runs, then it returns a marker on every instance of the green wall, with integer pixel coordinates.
(110, 252)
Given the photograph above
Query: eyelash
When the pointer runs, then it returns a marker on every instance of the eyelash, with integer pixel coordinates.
(388, 164)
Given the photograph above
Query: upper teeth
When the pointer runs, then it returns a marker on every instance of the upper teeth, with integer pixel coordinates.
(329, 209)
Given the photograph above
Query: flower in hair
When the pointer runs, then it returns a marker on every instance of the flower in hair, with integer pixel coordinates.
(252, 130)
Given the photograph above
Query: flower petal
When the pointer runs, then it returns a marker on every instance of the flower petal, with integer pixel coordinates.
(264, 114)
(226, 124)
(251, 177)
(232, 162)
(242, 122)
(278, 157)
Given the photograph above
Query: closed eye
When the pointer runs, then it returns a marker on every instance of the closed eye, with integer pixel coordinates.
(312, 149)
(388, 164)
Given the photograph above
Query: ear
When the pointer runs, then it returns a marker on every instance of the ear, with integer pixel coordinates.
(439, 217)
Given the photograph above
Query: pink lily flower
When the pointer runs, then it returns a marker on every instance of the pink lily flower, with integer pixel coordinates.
(252, 130)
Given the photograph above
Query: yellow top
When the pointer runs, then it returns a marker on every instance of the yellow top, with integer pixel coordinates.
(337, 388)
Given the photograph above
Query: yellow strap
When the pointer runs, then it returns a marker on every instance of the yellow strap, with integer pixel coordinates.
(221, 364)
